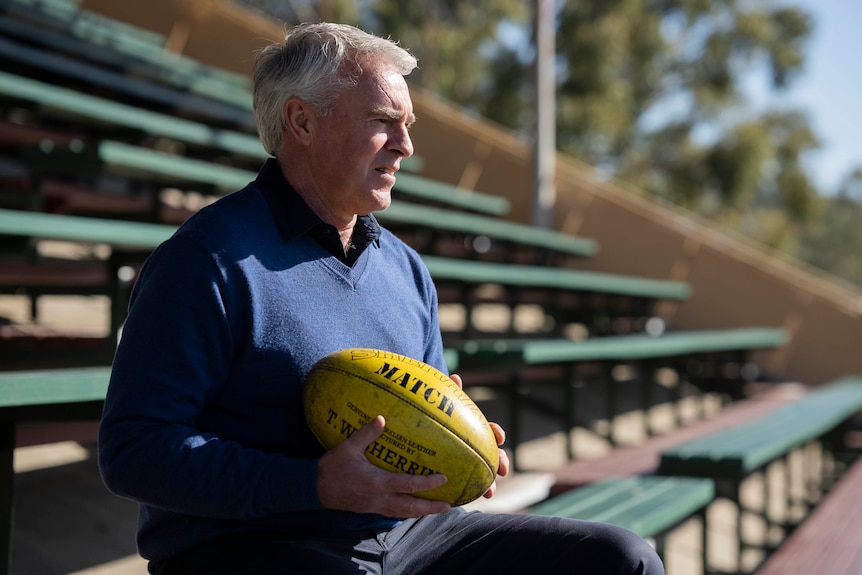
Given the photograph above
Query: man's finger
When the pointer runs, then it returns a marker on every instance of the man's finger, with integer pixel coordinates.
(368, 433)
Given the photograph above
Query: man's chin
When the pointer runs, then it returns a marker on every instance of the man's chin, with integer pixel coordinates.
(382, 201)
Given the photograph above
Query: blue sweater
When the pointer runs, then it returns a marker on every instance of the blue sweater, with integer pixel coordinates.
(203, 421)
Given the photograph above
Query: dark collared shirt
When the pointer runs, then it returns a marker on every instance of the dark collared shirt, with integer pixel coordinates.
(294, 217)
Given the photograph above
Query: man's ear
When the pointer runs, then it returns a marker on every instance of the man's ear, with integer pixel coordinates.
(299, 120)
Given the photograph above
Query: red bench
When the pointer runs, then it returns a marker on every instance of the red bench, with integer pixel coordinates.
(829, 541)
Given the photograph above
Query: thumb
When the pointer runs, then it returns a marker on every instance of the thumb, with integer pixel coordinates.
(365, 435)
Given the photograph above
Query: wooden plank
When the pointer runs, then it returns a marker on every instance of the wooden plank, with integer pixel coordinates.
(190, 105)
(828, 540)
(75, 275)
(739, 451)
(123, 234)
(404, 214)
(432, 190)
(645, 458)
(508, 358)
(474, 272)
(67, 394)
(622, 347)
(170, 168)
(45, 387)
(647, 505)
(59, 99)
(120, 46)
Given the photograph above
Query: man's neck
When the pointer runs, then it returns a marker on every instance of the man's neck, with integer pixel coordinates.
(344, 224)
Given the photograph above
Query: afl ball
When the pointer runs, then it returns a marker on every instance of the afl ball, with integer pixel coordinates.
(432, 426)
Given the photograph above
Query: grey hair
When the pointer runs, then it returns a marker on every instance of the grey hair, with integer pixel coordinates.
(314, 63)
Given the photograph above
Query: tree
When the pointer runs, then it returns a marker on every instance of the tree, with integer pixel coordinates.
(652, 91)
(834, 241)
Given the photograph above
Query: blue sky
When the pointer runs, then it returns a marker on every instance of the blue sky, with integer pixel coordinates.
(830, 89)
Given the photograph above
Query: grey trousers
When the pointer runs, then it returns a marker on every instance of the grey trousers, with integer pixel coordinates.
(454, 543)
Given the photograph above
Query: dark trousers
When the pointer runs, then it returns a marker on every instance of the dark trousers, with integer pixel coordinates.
(455, 543)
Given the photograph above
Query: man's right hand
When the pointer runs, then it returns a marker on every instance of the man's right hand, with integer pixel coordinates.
(348, 481)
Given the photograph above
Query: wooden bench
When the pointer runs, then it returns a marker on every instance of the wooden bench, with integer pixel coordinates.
(55, 102)
(732, 455)
(181, 171)
(153, 164)
(514, 358)
(830, 538)
(477, 236)
(122, 48)
(39, 396)
(644, 458)
(118, 233)
(60, 68)
(566, 296)
(130, 242)
(651, 506)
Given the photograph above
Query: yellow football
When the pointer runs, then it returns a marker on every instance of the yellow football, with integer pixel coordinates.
(432, 426)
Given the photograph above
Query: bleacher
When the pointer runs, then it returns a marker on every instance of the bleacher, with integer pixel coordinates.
(108, 142)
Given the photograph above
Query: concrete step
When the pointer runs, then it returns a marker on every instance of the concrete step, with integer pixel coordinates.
(515, 492)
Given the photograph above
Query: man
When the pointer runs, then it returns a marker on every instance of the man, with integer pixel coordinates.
(203, 422)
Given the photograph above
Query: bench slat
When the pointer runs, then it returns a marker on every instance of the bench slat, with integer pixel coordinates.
(647, 505)
(93, 276)
(401, 213)
(125, 86)
(623, 347)
(828, 541)
(644, 458)
(76, 228)
(466, 271)
(44, 387)
(103, 110)
(737, 452)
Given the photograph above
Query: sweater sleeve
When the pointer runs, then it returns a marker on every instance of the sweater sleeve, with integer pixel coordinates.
(174, 355)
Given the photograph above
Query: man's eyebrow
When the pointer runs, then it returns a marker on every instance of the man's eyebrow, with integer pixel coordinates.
(393, 114)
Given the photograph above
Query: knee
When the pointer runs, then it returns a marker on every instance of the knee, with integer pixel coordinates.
(630, 553)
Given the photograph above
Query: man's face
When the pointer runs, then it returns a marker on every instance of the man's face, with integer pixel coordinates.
(360, 144)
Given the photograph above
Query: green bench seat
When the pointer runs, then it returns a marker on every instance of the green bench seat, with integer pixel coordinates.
(118, 233)
(567, 296)
(650, 506)
(152, 165)
(130, 243)
(49, 395)
(513, 358)
(101, 111)
(736, 453)
(54, 67)
(471, 272)
(418, 187)
(731, 456)
(511, 237)
(122, 47)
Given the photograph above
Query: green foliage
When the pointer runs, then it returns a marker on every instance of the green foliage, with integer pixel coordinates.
(834, 241)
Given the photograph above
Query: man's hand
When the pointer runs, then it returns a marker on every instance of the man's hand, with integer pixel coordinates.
(348, 481)
(501, 439)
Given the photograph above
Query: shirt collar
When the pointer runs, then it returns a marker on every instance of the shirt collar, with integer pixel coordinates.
(294, 217)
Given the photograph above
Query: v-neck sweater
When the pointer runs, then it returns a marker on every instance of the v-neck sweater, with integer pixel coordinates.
(203, 421)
